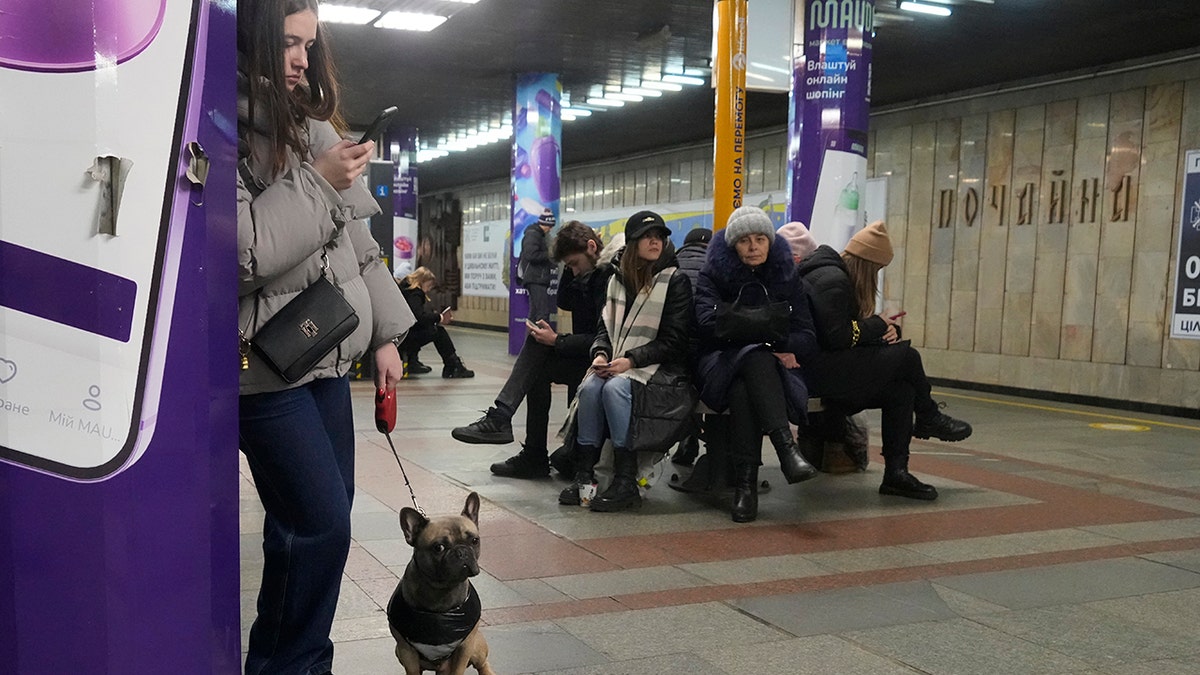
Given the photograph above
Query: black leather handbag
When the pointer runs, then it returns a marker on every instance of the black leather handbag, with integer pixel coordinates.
(303, 331)
(740, 323)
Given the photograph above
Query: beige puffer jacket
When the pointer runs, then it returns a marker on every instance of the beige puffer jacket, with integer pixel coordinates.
(281, 234)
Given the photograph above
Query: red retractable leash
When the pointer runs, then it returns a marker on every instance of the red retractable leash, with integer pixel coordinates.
(385, 422)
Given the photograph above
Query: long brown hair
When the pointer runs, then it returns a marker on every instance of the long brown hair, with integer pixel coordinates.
(864, 276)
(281, 113)
(636, 272)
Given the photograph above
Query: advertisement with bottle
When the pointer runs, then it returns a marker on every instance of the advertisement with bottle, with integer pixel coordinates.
(830, 105)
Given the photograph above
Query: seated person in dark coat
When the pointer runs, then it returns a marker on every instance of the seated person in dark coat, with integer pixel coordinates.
(430, 327)
(864, 364)
(760, 383)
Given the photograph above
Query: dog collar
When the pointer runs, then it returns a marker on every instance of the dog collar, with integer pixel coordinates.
(435, 635)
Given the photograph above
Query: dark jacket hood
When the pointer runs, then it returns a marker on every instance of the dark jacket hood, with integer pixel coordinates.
(723, 261)
(824, 256)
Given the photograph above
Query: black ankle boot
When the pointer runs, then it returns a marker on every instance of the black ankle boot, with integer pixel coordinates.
(586, 457)
(745, 493)
(791, 462)
(899, 482)
(454, 369)
(622, 492)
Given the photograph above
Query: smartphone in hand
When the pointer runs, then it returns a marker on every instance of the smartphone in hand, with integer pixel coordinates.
(379, 125)
(532, 324)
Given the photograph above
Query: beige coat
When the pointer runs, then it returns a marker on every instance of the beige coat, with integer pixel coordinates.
(281, 234)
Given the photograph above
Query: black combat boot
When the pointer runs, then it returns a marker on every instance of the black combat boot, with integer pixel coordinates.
(454, 369)
(899, 482)
(745, 493)
(585, 457)
(622, 492)
(791, 462)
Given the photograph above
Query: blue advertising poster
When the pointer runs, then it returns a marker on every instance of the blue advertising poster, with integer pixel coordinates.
(536, 177)
(1185, 319)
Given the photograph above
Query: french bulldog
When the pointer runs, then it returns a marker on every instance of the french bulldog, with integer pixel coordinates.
(434, 611)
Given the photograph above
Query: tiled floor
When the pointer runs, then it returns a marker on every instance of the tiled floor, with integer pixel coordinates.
(1056, 546)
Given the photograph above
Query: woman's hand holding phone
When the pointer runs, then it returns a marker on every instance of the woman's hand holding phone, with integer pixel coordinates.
(343, 163)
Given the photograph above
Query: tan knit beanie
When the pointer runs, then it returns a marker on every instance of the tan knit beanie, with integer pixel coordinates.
(872, 244)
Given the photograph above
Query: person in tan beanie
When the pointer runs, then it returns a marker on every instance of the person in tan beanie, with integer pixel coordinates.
(864, 364)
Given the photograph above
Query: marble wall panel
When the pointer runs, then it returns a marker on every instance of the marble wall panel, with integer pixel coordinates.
(941, 239)
(892, 160)
(1050, 261)
(918, 232)
(993, 234)
(1115, 267)
(972, 167)
(1029, 135)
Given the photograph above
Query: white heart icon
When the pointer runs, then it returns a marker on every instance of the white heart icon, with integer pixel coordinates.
(8, 370)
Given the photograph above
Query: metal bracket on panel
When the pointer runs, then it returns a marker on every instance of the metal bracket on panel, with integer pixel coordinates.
(110, 172)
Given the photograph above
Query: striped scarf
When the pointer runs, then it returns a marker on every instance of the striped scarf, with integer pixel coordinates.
(640, 325)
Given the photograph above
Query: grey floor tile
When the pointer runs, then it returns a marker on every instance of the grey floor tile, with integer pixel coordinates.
(769, 568)
(1100, 639)
(366, 657)
(373, 525)
(619, 582)
(1155, 530)
(1188, 560)
(1188, 665)
(961, 646)
(495, 593)
(866, 559)
(360, 628)
(817, 655)
(354, 602)
(1165, 612)
(965, 605)
(1023, 543)
(667, 630)
(537, 647)
(672, 663)
(830, 612)
(536, 591)
(1072, 583)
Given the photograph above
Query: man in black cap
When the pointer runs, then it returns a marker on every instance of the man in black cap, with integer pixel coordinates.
(534, 266)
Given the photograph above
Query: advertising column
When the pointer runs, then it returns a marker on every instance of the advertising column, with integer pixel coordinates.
(729, 124)
(118, 338)
(400, 146)
(830, 104)
(536, 168)
(1185, 318)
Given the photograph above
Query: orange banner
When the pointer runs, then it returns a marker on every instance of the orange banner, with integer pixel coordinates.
(729, 124)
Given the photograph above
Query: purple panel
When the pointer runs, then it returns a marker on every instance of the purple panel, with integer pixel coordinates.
(831, 93)
(139, 573)
(66, 292)
(400, 141)
(74, 35)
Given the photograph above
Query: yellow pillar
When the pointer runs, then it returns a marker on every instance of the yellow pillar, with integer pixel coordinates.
(729, 124)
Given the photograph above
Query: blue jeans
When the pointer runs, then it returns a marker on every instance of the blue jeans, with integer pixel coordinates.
(300, 447)
(604, 402)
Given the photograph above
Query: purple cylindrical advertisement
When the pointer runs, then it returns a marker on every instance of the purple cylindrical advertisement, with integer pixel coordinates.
(118, 449)
(830, 106)
(400, 146)
(536, 172)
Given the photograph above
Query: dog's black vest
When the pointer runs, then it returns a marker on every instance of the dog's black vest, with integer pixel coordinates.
(435, 635)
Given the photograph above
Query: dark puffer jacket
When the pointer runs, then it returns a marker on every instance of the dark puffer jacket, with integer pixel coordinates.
(834, 307)
(721, 280)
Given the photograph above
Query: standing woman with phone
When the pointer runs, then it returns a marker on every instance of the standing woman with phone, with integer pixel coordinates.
(300, 206)
(645, 329)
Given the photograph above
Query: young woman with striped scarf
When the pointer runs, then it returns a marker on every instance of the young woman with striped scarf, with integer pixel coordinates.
(645, 328)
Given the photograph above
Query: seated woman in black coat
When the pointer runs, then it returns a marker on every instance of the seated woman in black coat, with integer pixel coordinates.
(864, 364)
(430, 327)
(760, 383)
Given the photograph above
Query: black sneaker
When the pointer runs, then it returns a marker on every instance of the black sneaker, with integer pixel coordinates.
(456, 370)
(415, 367)
(492, 428)
(942, 427)
(525, 464)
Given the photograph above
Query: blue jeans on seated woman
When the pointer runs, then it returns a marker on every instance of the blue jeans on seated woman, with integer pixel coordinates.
(300, 447)
(604, 402)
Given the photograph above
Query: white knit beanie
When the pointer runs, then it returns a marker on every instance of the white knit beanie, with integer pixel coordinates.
(748, 220)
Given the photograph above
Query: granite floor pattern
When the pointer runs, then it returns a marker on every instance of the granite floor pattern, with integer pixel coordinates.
(1066, 539)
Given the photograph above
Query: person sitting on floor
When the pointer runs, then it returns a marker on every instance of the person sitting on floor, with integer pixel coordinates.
(430, 327)
(644, 331)
(863, 363)
(756, 378)
(548, 356)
